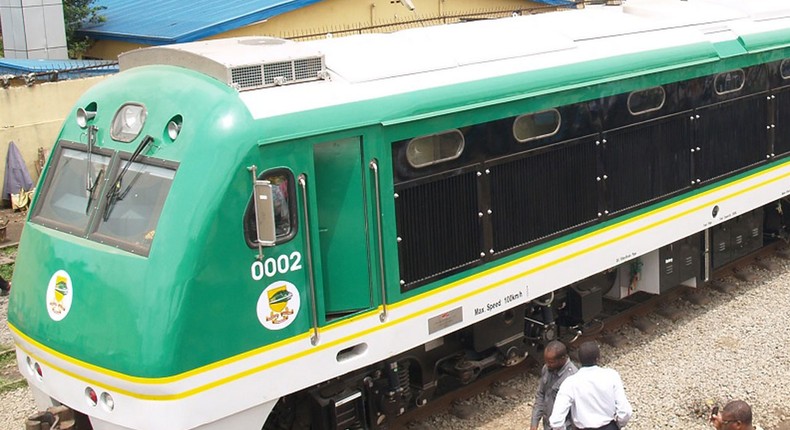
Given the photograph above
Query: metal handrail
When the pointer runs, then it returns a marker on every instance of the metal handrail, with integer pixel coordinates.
(374, 166)
(309, 251)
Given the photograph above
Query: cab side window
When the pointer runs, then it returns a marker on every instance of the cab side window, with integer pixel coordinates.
(284, 194)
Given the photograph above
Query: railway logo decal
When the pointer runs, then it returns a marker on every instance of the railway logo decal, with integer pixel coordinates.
(59, 295)
(278, 305)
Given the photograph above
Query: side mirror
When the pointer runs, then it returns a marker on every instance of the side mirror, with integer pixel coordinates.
(264, 213)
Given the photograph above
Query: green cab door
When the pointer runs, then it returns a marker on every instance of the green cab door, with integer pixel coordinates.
(342, 226)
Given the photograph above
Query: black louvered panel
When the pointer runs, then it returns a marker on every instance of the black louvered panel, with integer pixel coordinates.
(439, 227)
(782, 131)
(639, 170)
(732, 136)
(536, 196)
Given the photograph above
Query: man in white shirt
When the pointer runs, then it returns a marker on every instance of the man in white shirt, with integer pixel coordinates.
(594, 395)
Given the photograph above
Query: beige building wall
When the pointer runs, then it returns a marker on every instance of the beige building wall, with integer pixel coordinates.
(333, 16)
(32, 116)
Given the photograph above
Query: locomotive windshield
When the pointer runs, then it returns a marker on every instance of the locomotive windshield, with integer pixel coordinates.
(64, 200)
(67, 203)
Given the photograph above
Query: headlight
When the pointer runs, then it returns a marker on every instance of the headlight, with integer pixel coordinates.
(128, 122)
(174, 127)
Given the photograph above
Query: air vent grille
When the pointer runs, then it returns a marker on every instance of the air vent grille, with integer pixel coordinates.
(278, 73)
(308, 68)
(247, 77)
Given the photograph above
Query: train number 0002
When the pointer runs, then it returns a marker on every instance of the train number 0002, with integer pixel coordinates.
(272, 266)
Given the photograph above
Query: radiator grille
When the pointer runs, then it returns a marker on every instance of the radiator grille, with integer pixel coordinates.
(782, 131)
(535, 196)
(438, 227)
(638, 170)
(732, 135)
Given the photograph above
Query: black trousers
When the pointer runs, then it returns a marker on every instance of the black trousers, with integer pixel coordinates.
(611, 426)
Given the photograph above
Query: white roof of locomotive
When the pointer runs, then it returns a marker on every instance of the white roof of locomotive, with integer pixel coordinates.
(376, 65)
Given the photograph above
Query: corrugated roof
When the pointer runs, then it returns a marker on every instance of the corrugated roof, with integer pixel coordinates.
(64, 69)
(159, 22)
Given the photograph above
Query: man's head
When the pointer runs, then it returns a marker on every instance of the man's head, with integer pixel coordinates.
(589, 353)
(555, 355)
(736, 415)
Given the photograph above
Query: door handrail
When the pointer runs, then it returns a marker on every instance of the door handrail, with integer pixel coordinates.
(309, 251)
(374, 166)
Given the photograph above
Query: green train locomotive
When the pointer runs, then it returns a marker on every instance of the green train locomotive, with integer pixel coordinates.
(258, 233)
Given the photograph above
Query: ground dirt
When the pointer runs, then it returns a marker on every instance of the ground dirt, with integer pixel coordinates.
(13, 222)
(13, 229)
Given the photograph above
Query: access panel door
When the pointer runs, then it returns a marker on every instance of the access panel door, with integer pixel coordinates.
(342, 226)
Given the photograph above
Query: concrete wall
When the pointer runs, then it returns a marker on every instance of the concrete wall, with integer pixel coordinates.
(334, 15)
(34, 29)
(31, 117)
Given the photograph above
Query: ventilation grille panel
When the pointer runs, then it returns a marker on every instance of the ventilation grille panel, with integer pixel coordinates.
(278, 73)
(439, 228)
(247, 77)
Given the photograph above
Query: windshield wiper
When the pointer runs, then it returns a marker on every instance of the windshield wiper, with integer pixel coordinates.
(92, 191)
(90, 183)
(114, 193)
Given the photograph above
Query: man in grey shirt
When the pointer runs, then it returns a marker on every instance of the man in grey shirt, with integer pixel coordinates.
(557, 368)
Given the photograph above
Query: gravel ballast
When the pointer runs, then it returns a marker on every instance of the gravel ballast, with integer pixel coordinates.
(735, 347)
(17, 404)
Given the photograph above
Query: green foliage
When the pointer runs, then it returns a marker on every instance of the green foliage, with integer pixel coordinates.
(76, 14)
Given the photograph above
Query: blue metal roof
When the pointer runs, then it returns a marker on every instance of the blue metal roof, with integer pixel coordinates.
(159, 22)
(556, 2)
(63, 69)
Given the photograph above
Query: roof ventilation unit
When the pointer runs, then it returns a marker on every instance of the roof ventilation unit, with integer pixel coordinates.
(278, 73)
(245, 63)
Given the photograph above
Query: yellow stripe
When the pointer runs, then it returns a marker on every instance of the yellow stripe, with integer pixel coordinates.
(362, 334)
